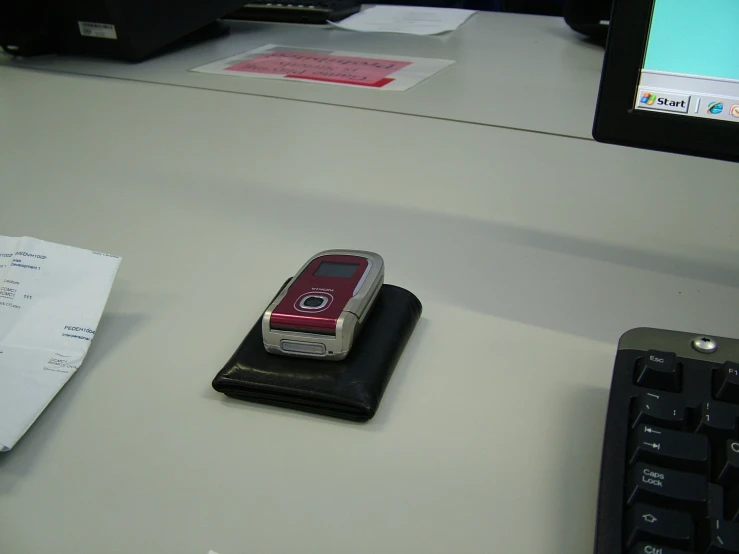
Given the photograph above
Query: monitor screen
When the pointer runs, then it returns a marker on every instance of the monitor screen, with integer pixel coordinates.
(691, 60)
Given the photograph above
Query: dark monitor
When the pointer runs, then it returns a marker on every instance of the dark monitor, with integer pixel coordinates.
(671, 77)
(121, 29)
(589, 17)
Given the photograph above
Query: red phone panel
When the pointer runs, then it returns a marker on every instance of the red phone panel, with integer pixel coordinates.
(290, 313)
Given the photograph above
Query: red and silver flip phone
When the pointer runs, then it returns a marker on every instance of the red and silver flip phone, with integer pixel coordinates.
(322, 309)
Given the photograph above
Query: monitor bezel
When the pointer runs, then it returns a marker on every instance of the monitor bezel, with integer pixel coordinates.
(616, 119)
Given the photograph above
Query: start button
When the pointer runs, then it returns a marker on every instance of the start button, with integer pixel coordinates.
(663, 101)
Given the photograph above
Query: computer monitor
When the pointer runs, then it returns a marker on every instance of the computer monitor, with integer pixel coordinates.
(130, 30)
(671, 77)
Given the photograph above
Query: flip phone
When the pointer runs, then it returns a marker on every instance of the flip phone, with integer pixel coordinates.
(320, 312)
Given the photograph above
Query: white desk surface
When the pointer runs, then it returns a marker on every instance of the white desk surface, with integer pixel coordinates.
(531, 254)
(517, 71)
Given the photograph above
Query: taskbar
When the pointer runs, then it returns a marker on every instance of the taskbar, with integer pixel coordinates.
(688, 95)
(687, 104)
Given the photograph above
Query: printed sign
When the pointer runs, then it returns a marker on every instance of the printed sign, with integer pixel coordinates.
(327, 66)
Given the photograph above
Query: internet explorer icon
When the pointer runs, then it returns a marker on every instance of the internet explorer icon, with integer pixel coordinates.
(715, 108)
(647, 98)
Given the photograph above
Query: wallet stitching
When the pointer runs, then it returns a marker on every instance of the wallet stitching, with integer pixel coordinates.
(298, 393)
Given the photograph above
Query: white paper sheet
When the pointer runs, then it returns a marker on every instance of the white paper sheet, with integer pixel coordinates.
(51, 299)
(405, 19)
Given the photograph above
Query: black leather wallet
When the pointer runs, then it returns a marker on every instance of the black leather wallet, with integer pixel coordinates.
(348, 389)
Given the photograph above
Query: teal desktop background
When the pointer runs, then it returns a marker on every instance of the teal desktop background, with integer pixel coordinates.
(697, 37)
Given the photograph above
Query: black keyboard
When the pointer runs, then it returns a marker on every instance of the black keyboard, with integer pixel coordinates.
(669, 481)
(318, 12)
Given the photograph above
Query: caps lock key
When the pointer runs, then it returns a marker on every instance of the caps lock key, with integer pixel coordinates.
(668, 488)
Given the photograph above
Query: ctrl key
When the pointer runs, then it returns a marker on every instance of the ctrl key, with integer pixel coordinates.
(650, 548)
(666, 527)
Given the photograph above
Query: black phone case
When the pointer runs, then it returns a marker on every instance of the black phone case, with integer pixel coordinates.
(347, 389)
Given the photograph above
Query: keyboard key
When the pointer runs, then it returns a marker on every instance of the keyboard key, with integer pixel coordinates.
(659, 410)
(659, 370)
(717, 420)
(732, 504)
(659, 486)
(719, 537)
(727, 465)
(715, 501)
(726, 382)
(669, 527)
(668, 448)
(651, 548)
